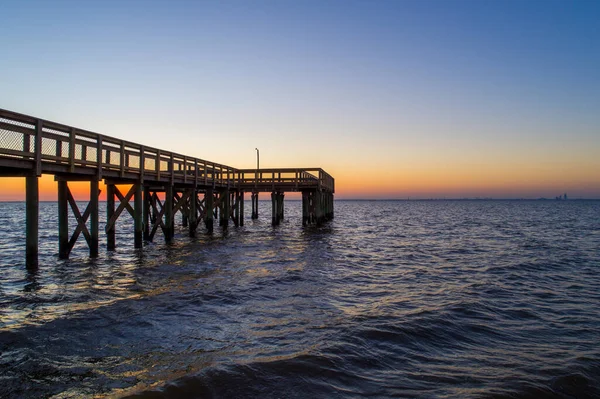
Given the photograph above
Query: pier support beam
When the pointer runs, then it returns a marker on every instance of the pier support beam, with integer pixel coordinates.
(317, 207)
(280, 207)
(146, 213)
(94, 218)
(209, 209)
(138, 212)
(277, 207)
(193, 212)
(241, 200)
(305, 208)
(138, 217)
(65, 245)
(63, 220)
(225, 209)
(32, 214)
(274, 209)
(169, 230)
(254, 199)
(236, 208)
(110, 211)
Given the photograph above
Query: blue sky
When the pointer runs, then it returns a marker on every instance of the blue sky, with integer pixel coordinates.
(433, 98)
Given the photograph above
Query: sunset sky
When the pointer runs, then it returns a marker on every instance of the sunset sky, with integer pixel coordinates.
(395, 99)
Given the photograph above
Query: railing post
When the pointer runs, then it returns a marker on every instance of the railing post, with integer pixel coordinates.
(27, 143)
(72, 150)
(99, 156)
(38, 147)
(185, 167)
(122, 159)
(172, 169)
(157, 165)
(142, 163)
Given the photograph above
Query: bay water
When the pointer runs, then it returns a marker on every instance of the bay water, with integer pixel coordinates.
(409, 299)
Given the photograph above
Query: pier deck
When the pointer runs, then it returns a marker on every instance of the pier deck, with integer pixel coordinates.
(200, 190)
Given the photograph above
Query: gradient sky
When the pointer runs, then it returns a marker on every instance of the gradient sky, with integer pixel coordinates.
(395, 99)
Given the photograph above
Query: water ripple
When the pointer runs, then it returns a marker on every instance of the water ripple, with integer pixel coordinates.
(448, 299)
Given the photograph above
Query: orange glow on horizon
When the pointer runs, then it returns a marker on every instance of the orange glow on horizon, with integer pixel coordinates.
(389, 184)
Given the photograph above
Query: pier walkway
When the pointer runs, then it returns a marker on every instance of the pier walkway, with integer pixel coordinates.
(162, 184)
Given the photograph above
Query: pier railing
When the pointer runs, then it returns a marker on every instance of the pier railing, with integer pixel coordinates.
(294, 179)
(33, 145)
(50, 147)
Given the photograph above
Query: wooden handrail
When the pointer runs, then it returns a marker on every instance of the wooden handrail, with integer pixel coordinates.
(105, 154)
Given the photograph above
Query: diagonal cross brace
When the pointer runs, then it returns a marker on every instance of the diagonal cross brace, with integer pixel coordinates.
(81, 221)
(124, 204)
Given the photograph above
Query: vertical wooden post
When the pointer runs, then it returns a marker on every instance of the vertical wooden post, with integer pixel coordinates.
(319, 207)
(225, 208)
(38, 149)
(332, 205)
(184, 209)
(31, 222)
(71, 150)
(146, 215)
(169, 217)
(208, 205)
(304, 208)
(254, 199)
(94, 223)
(193, 217)
(236, 208)
(63, 220)
(99, 156)
(216, 200)
(110, 211)
(281, 207)
(241, 208)
(274, 208)
(138, 222)
(312, 207)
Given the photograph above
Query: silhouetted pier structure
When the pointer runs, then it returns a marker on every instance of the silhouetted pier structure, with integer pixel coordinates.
(202, 191)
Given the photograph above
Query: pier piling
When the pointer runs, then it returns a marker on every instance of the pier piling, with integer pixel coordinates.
(138, 219)
(32, 216)
(209, 209)
(254, 199)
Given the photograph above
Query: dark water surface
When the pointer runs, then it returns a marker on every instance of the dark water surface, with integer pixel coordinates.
(429, 299)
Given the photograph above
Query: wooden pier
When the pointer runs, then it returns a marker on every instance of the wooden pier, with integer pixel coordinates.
(201, 191)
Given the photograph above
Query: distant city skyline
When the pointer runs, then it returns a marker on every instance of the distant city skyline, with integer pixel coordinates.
(395, 99)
